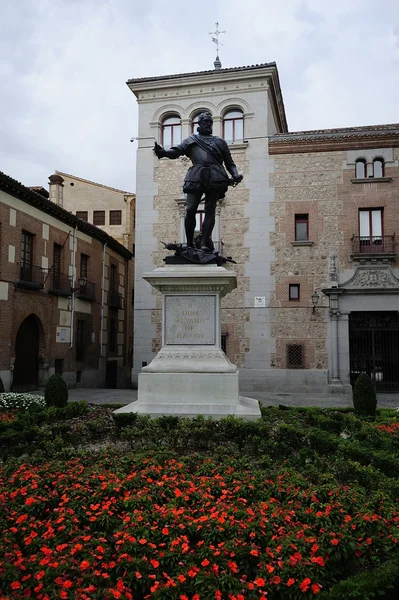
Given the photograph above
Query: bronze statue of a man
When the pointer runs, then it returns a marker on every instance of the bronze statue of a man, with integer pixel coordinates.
(207, 176)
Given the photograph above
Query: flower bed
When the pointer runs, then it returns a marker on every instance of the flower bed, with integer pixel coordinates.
(301, 503)
(16, 401)
(161, 526)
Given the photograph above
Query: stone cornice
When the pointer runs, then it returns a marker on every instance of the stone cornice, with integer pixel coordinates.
(381, 136)
(214, 83)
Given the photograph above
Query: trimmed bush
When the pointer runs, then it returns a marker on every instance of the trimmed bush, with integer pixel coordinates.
(364, 396)
(56, 392)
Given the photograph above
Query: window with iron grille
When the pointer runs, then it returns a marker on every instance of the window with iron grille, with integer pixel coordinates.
(98, 217)
(295, 356)
(115, 217)
(82, 214)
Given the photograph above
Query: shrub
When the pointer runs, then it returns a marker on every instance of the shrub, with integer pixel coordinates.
(364, 396)
(14, 401)
(56, 392)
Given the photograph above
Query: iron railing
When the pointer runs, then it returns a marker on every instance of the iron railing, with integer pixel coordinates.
(86, 291)
(31, 277)
(60, 284)
(382, 244)
(114, 299)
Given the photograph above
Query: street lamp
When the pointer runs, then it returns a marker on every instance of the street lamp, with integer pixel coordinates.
(315, 300)
(82, 282)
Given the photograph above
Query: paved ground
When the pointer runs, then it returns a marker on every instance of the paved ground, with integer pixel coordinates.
(100, 396)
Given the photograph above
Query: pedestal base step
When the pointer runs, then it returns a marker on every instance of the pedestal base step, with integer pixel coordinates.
(245, 408)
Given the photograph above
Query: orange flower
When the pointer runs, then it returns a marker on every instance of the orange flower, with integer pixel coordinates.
(205, 562)
(260, 582)
(335, 542)
(142, 541)
(181, 578)
(290, 582)
(165, 531)
(154, 563)
(316, 587)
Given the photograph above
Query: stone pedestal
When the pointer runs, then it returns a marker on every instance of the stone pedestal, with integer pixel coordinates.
(191, 375)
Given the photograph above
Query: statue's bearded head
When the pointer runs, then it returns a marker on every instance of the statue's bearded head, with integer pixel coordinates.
(205, 123)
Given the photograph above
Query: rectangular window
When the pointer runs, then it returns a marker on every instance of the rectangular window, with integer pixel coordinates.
(294, 291)
(112, 278)
(26, 256)
(301, 228)
(370, 226)
(59, 366)
(82, 214)
(84, 262)
(57, 249)
(112, 334)
(295, 359)
(81, 339)
(98, 217)
(115, 217)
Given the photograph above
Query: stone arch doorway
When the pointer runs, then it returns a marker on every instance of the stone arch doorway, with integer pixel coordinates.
(27, 347)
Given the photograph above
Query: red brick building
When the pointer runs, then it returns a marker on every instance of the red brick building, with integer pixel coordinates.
(64, 293)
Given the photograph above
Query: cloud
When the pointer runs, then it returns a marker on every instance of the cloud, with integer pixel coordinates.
(65, 104)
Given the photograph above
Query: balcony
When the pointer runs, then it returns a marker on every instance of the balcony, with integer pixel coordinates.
(364, 247)
(60, 284)
(30, 277)
(114, 299)
(86, 290)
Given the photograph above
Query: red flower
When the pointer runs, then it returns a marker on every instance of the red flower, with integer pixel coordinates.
(335, 542)
(154, 563)
(67, 584)
(290, 582)
(15, 585)
(181, 578)
(142, 541)
(304, 586)
(316, 587)
(205, 562)
(260, 582)
(318, 560)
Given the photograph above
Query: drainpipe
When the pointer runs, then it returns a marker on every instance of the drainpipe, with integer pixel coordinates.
(73, 285)
(102, 301)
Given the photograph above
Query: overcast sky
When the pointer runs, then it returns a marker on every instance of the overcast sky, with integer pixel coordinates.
(64, 103)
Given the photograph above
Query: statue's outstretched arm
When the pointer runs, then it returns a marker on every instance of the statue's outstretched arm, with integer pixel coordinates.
(162, 153)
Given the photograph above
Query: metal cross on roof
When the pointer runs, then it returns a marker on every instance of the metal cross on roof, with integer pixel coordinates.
(216, 39)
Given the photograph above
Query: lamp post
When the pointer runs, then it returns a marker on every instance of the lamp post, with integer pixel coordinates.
(315, 300)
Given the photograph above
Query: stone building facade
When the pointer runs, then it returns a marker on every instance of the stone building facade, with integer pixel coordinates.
(64, 285)
(292, 226)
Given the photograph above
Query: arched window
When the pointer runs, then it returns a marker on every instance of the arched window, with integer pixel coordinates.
(360, 169)
(233, 126)
(171, 131)
(194, 121)
(378, 165)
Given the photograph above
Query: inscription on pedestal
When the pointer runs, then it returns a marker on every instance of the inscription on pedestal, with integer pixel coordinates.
(190, 320)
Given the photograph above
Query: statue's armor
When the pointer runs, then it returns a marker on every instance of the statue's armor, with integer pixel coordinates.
(207, 172)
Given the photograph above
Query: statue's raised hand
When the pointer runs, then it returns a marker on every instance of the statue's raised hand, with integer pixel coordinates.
(158, 150)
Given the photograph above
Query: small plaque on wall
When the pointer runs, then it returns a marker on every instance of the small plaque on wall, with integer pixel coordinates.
(260, 302)
(190, 320)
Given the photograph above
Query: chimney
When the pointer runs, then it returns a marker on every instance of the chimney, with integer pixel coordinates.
(56, 185)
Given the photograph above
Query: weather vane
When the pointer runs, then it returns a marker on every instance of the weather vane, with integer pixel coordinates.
(215, 39)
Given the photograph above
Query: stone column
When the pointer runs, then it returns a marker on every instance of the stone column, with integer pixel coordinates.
(335, 385)
(181, 205)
